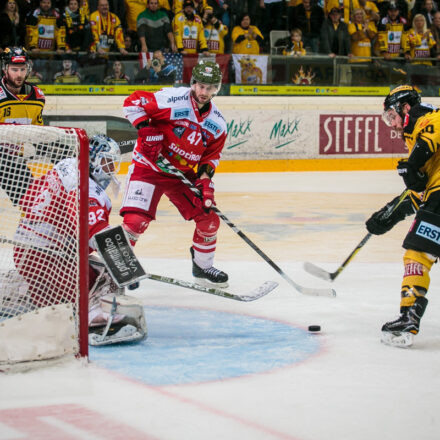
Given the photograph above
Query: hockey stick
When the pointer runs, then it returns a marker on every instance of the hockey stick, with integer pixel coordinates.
(48, 250)
(167, 167)
(109, 321)
(254, 294)
(330, 276)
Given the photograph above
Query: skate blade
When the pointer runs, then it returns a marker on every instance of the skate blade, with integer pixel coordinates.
(206, 283)
(401, 340)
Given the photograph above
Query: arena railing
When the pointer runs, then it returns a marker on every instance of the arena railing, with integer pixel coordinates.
(160, 69)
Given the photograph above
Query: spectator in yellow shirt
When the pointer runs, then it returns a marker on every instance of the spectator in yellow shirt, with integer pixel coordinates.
(348, 7)
(215, 31)
(106, 30)
(188, 30)
(419, 42)
(246, 38)
(371, 10)
(362, 32)
(199, 6)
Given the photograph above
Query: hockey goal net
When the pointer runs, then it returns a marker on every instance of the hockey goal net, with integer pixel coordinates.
(43, 244)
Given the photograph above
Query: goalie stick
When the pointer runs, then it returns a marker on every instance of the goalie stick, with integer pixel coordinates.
(253, 295)
(330, 276)
(167, 167)
(48, 250)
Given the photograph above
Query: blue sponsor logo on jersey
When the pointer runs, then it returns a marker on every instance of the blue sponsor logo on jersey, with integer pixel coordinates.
(211, 126)
(174, 99)
(429, 231)
(180, 113)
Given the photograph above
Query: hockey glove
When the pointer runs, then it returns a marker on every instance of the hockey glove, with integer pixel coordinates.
(413, 178)
(384, 219)
(152, 142)
(206, 188)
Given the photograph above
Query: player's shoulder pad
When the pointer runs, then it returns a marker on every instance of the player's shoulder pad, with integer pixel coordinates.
(215, 122)
(172, 96)
(39, 93)
(98, 193)
(3, 93)
(68, 173)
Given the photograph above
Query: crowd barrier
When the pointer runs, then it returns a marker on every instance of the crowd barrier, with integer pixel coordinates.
(300, 133)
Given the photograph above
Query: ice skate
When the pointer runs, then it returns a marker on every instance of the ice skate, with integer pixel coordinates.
(210, 277)
(401, 331)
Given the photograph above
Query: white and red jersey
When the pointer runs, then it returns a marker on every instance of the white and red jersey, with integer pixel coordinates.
(49, 208)
(190, 138)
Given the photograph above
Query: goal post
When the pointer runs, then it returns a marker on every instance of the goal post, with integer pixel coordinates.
(44, 176)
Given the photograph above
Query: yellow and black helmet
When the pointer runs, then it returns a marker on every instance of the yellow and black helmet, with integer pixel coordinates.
(402, 95)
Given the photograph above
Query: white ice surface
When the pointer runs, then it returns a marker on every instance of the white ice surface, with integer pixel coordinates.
(354, 389)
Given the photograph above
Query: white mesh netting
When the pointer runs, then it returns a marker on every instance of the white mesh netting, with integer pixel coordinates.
(39, 250)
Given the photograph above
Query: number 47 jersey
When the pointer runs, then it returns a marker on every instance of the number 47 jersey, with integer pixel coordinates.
(191, 138)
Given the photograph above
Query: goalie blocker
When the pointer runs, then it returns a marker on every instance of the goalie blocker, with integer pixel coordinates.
(114, 248)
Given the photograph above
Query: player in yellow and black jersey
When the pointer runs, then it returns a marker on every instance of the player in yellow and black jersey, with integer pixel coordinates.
(20, 103)
(420, 125)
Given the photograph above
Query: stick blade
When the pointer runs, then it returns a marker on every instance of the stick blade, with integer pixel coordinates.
(260, 291)
(317, 271)
(311, 291)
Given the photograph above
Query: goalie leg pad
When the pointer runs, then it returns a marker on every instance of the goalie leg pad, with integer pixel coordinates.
(132, 328)
(101, 282)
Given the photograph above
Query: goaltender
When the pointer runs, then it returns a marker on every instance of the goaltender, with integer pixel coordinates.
(420, 125)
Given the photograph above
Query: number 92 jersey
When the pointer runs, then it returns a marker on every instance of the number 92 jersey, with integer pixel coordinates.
(190, 138)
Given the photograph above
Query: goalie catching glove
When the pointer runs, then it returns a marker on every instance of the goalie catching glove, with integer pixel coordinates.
(151, 141)
(384, 219)
(206, 187)
(414, 179)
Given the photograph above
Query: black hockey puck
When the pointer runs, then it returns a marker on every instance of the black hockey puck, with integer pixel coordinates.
(314, 328)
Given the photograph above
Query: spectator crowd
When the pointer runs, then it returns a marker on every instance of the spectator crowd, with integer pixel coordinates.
(358, 29)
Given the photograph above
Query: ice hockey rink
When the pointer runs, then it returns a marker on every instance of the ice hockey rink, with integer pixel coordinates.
(214, 368)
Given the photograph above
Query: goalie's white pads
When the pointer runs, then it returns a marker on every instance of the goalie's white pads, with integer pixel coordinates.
(131, 328)
(98, 317)
(13, 294)
(104, 284)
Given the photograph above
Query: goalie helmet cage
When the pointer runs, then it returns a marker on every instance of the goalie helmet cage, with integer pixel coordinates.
(44, 186)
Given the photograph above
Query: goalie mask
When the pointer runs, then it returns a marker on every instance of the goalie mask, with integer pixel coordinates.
(397, 98)
(105, 159)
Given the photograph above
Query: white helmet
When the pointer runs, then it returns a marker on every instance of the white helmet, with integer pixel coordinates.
(104, 158)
